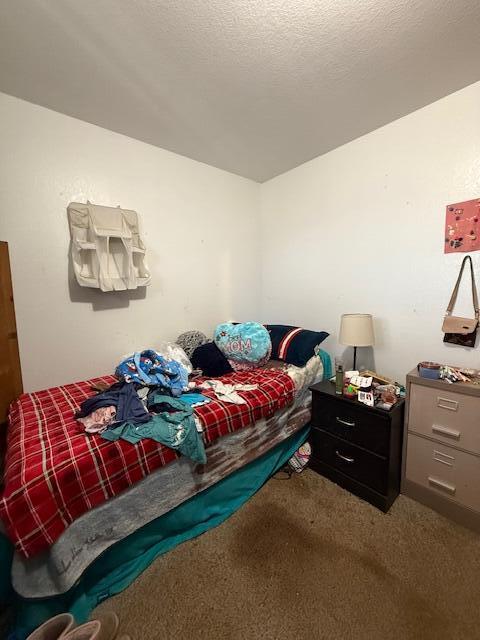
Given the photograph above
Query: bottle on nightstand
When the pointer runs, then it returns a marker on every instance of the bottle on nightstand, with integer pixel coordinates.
(339, 376)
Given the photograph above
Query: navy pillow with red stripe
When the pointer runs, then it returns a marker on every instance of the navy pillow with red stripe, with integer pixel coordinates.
(294, 345)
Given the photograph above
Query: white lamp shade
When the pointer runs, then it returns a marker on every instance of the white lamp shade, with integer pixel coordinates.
(356, 330)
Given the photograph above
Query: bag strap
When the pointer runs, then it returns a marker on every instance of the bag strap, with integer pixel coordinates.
(453, 299)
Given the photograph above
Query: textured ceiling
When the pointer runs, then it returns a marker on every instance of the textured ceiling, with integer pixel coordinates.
(254, 87)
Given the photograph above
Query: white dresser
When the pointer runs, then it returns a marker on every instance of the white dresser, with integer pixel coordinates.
(441, 461)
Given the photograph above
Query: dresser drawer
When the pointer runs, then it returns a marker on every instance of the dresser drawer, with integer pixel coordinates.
(353, 461)
(361, 426)
(452, 418)
(446, 471)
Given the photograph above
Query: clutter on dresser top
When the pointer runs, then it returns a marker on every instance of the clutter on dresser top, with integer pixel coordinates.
(447, 373)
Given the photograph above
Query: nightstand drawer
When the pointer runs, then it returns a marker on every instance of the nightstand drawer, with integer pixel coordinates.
(353, 461)
(449, 417)
(358, 425)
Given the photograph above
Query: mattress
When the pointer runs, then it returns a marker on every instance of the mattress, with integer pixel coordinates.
(55, 473)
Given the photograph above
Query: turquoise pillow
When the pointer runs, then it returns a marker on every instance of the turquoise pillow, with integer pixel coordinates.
(246, 345)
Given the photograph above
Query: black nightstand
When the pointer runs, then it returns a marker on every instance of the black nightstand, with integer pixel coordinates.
(358, 447)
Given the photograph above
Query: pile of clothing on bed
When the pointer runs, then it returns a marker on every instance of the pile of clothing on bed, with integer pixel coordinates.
(154, 398)
(149, 401)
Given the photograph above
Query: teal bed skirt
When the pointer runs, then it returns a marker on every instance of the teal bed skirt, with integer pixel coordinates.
(122, 563)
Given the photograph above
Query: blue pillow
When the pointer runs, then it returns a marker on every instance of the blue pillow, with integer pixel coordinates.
(294, 345)
(245, 345)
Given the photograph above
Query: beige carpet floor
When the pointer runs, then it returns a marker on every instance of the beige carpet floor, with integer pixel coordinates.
(305, 559)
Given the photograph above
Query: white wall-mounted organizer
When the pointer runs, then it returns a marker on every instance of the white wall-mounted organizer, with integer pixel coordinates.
(107, 250)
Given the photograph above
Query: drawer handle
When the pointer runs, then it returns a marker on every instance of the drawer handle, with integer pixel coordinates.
(444, 458)
(344, 458)
(441, 484)
(446, 403)
(444, 431)
(345, 422)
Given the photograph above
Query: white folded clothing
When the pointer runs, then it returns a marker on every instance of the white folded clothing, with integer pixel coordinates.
(228, 392)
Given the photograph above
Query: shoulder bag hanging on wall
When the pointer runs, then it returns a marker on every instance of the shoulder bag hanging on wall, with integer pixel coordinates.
(461, 331)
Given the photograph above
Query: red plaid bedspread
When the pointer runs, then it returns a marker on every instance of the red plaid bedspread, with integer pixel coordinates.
(54, 473)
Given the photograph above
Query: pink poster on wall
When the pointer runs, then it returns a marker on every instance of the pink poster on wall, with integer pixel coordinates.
(462, 227)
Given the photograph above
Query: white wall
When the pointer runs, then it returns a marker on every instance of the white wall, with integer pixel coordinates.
(358, 229)
(200, 229)
(361, 229)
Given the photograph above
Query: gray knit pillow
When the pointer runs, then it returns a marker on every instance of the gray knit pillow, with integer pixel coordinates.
(190, 340)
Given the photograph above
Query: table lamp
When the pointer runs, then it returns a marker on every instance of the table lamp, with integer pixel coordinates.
(356, 330)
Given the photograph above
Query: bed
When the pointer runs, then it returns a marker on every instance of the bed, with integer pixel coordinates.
(68, 498)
